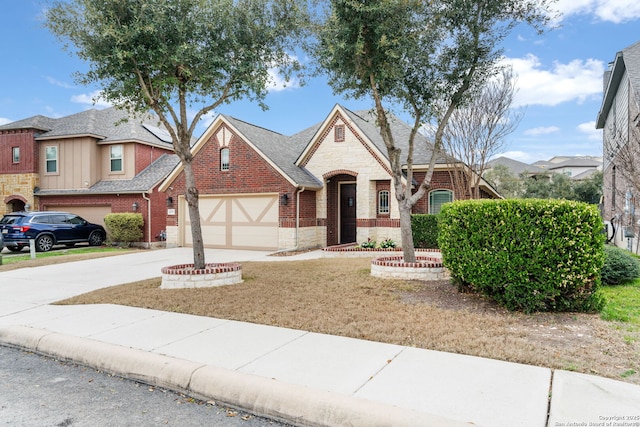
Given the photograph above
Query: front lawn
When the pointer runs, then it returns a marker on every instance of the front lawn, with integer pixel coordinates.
(623, 303)
(339, 297)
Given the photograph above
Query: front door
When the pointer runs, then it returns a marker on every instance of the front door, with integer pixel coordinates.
(347, 213)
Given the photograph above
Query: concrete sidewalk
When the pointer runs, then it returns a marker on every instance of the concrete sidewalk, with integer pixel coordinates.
(295, 376)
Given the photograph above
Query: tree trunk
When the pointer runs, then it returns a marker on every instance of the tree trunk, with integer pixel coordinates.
(194, 216)
(408, 249)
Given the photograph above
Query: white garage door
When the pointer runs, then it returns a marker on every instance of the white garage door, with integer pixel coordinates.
(234, 221)
(93, 214)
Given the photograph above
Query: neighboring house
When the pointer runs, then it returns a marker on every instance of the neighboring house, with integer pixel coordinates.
(327, 185)
(516, 167)
(92, 163)
(575, 167)
(619, 118)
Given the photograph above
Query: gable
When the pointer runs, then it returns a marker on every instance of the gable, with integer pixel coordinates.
(341, 144)
(248, 170)
(276, 151)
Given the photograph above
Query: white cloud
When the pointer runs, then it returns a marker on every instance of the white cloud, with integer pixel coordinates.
(278, 83)
(575, 81)
(615, 11)
(589, 129)
(93, 99)
(541, 130)
(4, 121)
(58, 83)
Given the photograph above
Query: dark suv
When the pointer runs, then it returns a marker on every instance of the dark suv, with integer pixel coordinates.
(47, 229)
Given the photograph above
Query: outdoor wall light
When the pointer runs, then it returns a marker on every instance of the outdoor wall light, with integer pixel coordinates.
(169, 201)
(284, 199)
(135, 206)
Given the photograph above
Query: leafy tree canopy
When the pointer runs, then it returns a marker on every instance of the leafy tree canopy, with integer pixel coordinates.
(163, 54)
(416, 55)
(169, 55)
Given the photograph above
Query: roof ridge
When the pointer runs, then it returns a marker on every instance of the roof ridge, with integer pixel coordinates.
(251, 124)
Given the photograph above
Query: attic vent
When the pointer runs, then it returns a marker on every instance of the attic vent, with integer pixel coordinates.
(224, 137)
(339, 133)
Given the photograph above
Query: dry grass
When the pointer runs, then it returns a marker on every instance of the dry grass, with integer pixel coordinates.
(339, 297)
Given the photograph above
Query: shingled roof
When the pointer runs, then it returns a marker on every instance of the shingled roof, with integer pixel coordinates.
(284, 152)
(401, 131)
(107, 125)
(280, 149)
(517, 167)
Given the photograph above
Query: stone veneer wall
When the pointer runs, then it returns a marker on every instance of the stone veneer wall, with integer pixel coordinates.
(393, 267)
(309, 237)
(20, 185)
(185, 276)
(172, 236)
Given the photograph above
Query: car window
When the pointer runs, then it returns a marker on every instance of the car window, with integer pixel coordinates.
(41, 219)
(11, 219)
(74, 219)
(59, 219)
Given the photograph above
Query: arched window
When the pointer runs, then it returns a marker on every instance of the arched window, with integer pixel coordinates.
(224, 159)
(437, 198)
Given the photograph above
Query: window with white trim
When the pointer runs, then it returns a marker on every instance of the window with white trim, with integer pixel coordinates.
(115, 156)
(51, 159)
(15, 153)
(437, 198)
(383, 202)
(224, 159)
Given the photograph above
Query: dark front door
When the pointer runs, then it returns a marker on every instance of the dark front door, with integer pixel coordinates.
(347, 213)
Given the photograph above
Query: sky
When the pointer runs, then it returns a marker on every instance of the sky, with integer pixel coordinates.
(559, 79)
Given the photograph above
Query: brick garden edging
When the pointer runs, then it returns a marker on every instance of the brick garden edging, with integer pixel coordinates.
(351, 251)
(215, 274)
(394, 267)
(387, 263)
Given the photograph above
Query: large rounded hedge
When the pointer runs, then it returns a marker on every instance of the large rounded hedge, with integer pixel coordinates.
(527, 254)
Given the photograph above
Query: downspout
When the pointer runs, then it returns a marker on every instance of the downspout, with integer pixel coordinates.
(148, 219)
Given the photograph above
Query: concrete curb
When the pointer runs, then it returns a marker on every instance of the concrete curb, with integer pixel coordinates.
(271, 398)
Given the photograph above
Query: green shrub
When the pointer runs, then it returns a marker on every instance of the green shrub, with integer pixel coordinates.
(124, 227)
(425, 231)
(527, 254)
(619, 266)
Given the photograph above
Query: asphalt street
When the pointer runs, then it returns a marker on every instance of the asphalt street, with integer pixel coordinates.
(41, 391)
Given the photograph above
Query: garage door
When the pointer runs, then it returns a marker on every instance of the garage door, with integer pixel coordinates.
(93, 214)
(234, 221)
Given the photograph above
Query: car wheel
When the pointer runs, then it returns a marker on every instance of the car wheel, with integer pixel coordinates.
(44, 243)
(95, 239)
